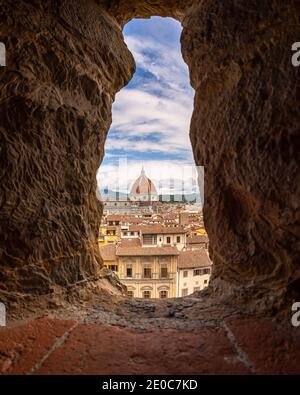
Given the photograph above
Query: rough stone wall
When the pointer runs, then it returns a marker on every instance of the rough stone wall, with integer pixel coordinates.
(245, 130)
(125, 10)
(65, 62)
(67, 59)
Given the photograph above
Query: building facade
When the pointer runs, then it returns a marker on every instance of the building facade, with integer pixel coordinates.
(148, 272)
(193, 271)
(120, 206)
(158, 236)
(156, 255)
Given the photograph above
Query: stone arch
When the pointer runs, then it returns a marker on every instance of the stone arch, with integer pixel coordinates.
(146, 288)
(163, 288)
(125, 11)
(57, 88)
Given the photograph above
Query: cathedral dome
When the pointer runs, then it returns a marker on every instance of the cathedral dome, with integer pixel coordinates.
(143, 188)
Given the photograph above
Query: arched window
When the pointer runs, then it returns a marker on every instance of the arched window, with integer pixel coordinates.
(163, 294)
(146, 294)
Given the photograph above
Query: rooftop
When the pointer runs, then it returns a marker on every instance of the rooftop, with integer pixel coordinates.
(143, 185)
(114, 217)
(157, 229)
(134, 228)
(135, 242)
(108, 252)
(197, 239)
(193, 259)
(146, 251)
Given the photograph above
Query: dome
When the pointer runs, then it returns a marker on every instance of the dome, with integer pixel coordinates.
(143, 188)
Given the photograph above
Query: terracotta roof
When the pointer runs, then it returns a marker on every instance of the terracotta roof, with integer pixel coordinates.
(197, 239)
(193, 259)
(108, 252)
(134, 228)
(114, 217)
(132, 220)
(135, 242)
(146, 251)
(157, 228)
(171, 216)
(143, 185)
(156, 220)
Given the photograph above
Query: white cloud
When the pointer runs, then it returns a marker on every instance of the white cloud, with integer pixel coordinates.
(167, 66)
(151, 115)
(142, 114)
(161, 106)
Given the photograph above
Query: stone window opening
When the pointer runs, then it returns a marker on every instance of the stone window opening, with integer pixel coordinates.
(244, 124)
(156, 272)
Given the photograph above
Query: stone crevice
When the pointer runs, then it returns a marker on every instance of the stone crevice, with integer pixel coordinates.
(243, 357)
(58, 343)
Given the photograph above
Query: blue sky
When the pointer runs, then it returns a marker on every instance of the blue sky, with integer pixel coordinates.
(151, 115)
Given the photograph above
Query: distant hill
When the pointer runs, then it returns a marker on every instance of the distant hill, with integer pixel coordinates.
(109, 194)
(189, 198)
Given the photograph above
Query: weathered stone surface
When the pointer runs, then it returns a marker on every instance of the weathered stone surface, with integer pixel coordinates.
(100, 349)
(245, 130)
(270, 349)
(124, 11)
(65, 62)
(23, 347)
(249, 345)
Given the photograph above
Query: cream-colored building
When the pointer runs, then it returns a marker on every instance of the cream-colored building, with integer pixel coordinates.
(158, 236)
(148, 272)
(154, 260)
(130, 231)
(193, 271)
